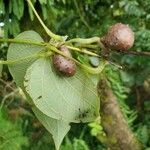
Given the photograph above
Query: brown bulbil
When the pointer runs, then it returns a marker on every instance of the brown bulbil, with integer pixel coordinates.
(119, 37)
(64, 65)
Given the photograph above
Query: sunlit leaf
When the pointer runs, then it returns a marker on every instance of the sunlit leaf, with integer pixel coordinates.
(72, 99)
(17, 51)
(57, 128)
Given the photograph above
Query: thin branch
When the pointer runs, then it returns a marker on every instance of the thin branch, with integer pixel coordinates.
(20, 41)
(83, 51)
(7, 84)
(7, 96)
(133, 53)
(84, 41)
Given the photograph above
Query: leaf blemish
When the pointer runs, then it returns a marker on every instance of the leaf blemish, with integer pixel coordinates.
(39, 97)
(94, 113)
(26, 80)
(83, 114)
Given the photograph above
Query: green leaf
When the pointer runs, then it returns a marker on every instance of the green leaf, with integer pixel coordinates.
(2, 7)
(30, 13)
(10, 6)
(57, 128)
(18, 8)
(44, 12)
(71, 99)
(143, 134)
(43, 2)
(17, 51)
(80, 144)
(14, 27)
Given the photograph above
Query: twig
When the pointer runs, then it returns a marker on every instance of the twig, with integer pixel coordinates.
(83, 51)
(20, 41)
(7, 96)
(6, 84)
(84, 41)
(133, 53)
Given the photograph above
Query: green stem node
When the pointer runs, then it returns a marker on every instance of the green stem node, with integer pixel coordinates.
(84, 41)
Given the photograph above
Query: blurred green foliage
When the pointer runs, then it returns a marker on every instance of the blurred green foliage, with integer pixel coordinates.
(11, 136)
(87, 18)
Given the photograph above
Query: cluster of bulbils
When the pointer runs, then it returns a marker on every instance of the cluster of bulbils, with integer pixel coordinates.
(119, 37)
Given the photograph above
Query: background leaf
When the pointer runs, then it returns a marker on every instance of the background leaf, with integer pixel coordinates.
(52, 93)
(18, 8)
(11, 136)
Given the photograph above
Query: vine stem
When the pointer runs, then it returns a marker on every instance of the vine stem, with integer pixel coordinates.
(19, 41)
(89, 46)
(7, 96)
(90, 40)
(84, 41)
(133, 53)
(40, 54)
(45, 44)
(48, 31)
(83, 51)
(10, 62)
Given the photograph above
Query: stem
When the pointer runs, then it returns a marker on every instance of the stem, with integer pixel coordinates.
(48, 31)
(90, 46)
(10, 62)
(94, 54)
(83, 51)
(7, 96)
(84, 41)
(97, 70)
(22, 42)
(133, 53)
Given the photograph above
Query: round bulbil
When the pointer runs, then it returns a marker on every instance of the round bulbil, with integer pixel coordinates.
(64, 65)
(119, 37)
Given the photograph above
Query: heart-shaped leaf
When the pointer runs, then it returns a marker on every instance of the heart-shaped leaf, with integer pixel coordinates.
(71, 99)
(19, 51)
(57, 128)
